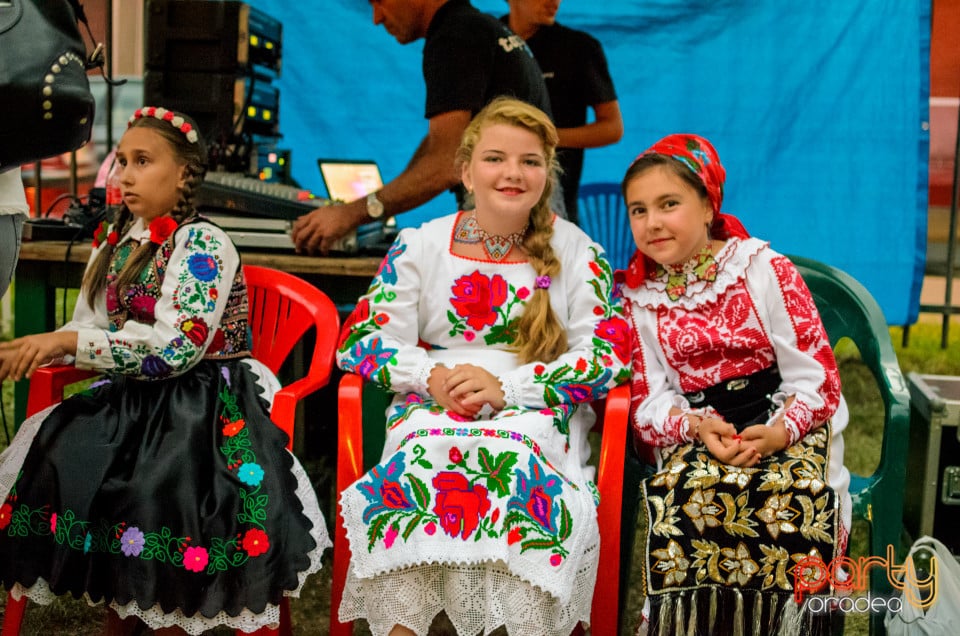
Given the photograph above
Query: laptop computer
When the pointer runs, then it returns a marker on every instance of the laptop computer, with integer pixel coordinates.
(347, 180)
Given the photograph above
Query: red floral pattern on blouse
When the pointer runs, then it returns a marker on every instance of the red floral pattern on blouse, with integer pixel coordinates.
(477, 298)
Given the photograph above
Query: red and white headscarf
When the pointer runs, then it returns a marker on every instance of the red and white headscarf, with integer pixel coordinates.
(699, 155)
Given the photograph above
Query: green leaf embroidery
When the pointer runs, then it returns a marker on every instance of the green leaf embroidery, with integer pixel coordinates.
(420, 492)
(498, 470)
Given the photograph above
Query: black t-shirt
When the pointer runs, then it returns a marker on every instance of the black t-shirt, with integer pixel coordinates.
(575, 71)
(470, 57)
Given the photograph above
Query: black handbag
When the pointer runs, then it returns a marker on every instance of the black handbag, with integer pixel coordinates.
(46, 107)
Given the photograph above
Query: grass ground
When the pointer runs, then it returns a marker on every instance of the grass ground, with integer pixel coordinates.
(311, 612)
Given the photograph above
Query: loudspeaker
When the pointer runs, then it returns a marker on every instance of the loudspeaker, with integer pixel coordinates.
(932, 494)
(211, 37)
(223, 105)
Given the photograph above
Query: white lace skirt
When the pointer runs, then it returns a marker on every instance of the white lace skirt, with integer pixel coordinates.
(476, 598)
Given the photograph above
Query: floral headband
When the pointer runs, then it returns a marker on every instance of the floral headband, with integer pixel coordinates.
(177, 121)
(699, 155)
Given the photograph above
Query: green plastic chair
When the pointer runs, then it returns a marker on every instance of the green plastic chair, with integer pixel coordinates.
(603, 216)
(849, 311)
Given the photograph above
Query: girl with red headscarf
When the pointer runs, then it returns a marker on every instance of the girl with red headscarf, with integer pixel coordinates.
(736, 388)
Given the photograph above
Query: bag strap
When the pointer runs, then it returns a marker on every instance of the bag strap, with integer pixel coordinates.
(95, 60)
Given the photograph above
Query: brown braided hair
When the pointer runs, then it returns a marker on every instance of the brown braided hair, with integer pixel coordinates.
(191, 154)
(540, 336)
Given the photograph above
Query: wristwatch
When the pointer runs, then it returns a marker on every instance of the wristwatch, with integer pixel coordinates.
(374, 206)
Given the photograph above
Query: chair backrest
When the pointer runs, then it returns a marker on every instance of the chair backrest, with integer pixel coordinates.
(849, 311)
(282, 309)
(603, 216)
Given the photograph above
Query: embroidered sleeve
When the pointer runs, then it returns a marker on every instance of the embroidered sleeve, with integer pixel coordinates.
(598, 340)
(804, 355)
(652, 395)
(379, 340)
(193, 294)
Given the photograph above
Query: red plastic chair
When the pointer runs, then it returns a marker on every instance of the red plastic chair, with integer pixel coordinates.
(282, 309)
(612, 419)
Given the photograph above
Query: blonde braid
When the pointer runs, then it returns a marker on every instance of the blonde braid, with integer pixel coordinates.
(540, 336)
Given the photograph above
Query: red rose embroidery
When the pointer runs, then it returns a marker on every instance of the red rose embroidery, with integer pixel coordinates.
(459, 506)
(616, 331)
(477, 298)
(196, 330)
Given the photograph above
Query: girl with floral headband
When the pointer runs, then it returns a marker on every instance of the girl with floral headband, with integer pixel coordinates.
(164, 490)
(495, 328)
(736, 388)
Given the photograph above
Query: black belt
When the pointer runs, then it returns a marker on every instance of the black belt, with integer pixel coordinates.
(741, 401)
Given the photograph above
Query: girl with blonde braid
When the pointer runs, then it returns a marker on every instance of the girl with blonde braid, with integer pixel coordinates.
(164, 490)
(495, 328)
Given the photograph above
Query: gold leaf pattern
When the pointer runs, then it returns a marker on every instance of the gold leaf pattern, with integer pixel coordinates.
(706, 517)
(702, 510)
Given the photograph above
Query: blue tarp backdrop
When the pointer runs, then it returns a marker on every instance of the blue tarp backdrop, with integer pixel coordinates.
(818, 110)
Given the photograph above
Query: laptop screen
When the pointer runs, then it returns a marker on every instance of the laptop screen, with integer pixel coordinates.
(347, 180)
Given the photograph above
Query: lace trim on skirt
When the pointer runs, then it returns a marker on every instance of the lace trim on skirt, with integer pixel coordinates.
(477, 598)
(247, 620)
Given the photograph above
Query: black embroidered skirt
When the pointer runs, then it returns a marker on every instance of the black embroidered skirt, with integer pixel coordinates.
(724, 543)
(177, 494)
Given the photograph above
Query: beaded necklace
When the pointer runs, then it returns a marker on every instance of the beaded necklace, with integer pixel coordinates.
(496, 247)
(701, 267)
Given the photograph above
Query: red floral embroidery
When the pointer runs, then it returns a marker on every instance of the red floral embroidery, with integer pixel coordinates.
(616, 331)
(477, 298)
(458, 506)
(160, 228)
(728, 342)
(5, 511)
(360, 314)
(232, 428)
(195, 558)
(196, 330)
(256, 542)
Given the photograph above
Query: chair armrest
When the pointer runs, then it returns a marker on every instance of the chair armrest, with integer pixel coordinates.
(349, 470)
(349, 430)
(47, 385)
(284, 410)
(613, 449)
(896, 422)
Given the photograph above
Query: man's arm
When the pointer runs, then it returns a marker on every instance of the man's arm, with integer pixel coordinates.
(429, 173)
(606, 129)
